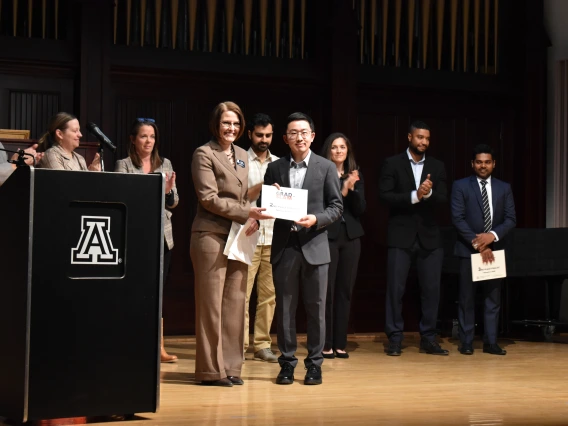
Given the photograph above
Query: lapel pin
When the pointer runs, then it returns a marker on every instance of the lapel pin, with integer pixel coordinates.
(241, 163)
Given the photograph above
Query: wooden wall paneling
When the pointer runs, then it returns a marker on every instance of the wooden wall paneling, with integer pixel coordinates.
(29, 101)
(32, 110)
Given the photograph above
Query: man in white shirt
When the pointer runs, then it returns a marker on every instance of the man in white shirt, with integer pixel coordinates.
(260, 134)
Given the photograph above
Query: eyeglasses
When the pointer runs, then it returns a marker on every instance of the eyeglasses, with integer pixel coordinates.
(146, 120)
(294, 135)
(228, 124)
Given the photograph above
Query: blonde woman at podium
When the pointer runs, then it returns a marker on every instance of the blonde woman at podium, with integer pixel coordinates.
(60, 142)
(143, 158)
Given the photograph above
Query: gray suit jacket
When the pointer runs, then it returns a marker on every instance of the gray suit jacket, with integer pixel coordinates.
(324, 201)
(6, 168)
(126, 166)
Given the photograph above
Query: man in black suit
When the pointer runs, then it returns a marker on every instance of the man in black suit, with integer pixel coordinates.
(300, 250)
(483, 212)
(413, 185)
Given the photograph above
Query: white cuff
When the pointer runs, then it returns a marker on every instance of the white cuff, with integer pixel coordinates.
(495, 233)
(414, 198)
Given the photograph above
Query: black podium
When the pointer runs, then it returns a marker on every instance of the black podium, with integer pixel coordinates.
(80, 292)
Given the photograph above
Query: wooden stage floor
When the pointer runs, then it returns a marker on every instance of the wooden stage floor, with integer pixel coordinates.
(528, 386)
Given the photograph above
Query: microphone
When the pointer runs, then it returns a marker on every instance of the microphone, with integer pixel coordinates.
(94, 129)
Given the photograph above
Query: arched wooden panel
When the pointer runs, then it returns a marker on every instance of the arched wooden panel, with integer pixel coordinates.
(303, 18)
(277, 24)
(211, 11)
(229, 22)
(453, 31)
(476, 12)
(175, 12)
(263, 23)
(385, 29)
(158, 21)
(373, 29)
(192, 21)
(397, 22)
(290, 28)
(362, 31)
(440, 30)
(247, 13)
(465, 24)
(425, 30)
(411, 14)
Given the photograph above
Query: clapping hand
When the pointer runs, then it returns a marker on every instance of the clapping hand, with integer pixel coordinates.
(95, 166)
(170, 181)
(424, 188)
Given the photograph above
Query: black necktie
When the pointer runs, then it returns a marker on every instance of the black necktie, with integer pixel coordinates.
(486, 210)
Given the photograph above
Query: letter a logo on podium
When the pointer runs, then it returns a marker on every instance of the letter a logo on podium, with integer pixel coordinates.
(95, 246)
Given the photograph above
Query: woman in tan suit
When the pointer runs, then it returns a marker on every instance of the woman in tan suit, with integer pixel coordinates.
(143, 157)
(59, 143)
(220, 176)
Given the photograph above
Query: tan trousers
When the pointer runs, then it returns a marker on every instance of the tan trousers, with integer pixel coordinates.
(266, 299)
(219, 307)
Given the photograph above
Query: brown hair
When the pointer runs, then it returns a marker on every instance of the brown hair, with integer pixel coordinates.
(59, 121)
(349, 164)
(215, 121)
(155, 159)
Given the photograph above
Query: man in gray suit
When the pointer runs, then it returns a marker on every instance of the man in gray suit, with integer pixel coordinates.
(300, 250)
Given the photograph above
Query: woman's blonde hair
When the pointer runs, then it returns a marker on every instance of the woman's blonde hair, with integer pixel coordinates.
(59, 121)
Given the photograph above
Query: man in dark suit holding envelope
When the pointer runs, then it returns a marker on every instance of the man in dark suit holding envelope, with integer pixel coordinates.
(300, 250)
(483, 212)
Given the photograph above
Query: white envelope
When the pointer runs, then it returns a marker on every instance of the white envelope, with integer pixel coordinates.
(239, 246)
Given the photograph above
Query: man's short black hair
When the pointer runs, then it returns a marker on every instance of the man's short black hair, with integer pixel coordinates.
(418, 125)
(300, 116)
(259, 119)
(482, 149)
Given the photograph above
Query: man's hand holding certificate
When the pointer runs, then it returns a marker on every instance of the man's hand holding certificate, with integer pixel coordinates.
(286, 203)
(488, 265)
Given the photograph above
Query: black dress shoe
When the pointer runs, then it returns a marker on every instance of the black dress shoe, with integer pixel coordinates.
(328, 356)
(432, 348)
(313, 376)
(236, 380)
(466, 349)
(343, 355)
(393, 349)
(286, 375)
(493, 349)
(221, 382)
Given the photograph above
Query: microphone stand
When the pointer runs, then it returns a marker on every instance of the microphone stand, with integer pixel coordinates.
(21, 154)
(101, 156)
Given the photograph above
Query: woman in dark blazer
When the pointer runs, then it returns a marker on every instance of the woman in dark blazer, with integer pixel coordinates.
(220, 176)
(344, 244)
(143, 157)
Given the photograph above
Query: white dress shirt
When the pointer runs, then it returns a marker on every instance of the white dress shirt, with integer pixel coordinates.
(417, 168)
(257, 170)
(489, 197)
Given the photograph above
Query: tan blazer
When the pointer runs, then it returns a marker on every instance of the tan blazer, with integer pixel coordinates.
(221, 188)
(126, 166)
(57, 159)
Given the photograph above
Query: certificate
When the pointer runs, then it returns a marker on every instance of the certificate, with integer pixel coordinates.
(285, 203)
(488, 271)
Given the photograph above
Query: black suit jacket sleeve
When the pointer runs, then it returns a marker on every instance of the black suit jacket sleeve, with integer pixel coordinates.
(388, 184)
(355, 200)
